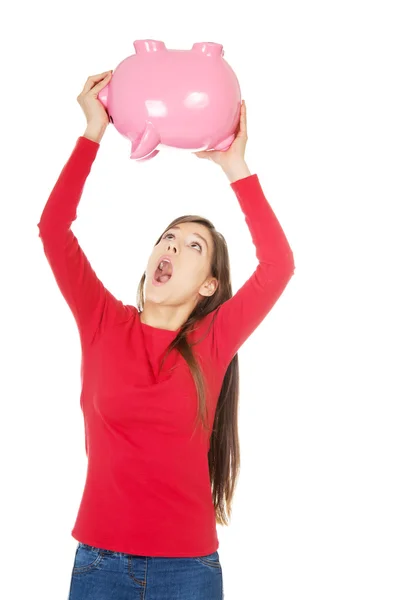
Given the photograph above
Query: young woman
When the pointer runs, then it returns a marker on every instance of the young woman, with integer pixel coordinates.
(160, 383)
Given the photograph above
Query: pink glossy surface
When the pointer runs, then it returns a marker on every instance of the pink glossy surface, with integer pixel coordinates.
(187, 99)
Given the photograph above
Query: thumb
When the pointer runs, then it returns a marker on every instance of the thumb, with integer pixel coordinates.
(202, 154)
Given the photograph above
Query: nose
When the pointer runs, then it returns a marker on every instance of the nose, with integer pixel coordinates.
(172, 246)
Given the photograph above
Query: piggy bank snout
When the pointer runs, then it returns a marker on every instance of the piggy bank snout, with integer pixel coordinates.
(103, 95)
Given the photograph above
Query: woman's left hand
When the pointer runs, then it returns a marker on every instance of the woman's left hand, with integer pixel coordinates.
(230, 158)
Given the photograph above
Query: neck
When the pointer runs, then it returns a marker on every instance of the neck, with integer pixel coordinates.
(165, 317)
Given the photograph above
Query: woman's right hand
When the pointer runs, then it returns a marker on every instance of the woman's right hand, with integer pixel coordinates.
(96, 115)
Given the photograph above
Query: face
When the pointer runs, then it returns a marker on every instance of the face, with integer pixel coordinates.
(190, 256)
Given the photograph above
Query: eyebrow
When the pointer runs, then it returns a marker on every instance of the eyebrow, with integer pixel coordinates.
(196, 234)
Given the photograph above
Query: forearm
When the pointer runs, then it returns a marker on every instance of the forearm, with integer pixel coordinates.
(237, 170)
(94, 132)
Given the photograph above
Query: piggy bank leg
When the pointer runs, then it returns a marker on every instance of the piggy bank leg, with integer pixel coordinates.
(225, 144)
(145, 145)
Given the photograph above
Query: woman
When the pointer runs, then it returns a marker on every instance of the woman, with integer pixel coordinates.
(160, 383)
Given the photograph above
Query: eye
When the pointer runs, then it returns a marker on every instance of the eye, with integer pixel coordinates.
(196, 243)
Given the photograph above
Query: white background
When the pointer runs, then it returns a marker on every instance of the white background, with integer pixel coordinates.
(316, 512)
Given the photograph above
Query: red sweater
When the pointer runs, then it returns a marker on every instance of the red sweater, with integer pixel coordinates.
(147, 488)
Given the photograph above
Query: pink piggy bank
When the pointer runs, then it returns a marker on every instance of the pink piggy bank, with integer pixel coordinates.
(187, 99)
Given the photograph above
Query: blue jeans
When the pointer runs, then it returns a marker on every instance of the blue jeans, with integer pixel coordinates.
(100, 574)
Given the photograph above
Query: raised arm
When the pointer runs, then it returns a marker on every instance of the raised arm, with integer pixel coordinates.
(236, 319)
(91, 303)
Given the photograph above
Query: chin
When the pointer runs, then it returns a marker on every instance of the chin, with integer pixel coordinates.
(153, 293)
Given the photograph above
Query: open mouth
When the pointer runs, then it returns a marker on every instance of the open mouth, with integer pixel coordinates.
(163, 273)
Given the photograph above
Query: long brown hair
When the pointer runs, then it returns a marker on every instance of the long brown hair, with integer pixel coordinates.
(224, 453)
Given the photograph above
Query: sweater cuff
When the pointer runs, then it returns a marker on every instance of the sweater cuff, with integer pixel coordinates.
(86, 142)
(244, 182)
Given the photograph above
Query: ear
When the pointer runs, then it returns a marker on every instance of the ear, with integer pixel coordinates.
(209, 288)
